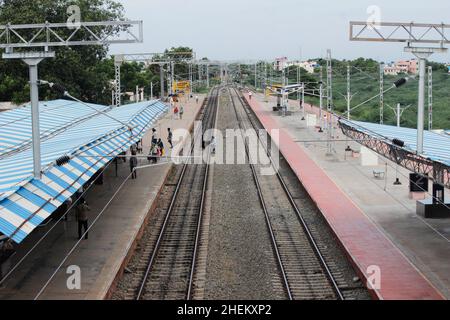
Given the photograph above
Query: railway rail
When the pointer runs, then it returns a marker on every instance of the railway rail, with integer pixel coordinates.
(304, 270)
(166, 266)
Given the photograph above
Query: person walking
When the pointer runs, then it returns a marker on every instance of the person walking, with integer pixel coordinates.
(250, 95)
(170, 137)
(133, 165)
(161, 148)
(175, 112)
(196, 99)
(154, 136)
(181, 112)
(82, 218)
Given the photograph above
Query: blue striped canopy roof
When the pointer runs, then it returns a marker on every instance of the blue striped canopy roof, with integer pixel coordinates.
(436, 146)
(88, 137)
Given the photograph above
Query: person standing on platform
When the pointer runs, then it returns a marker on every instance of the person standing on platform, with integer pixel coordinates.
(213, 144)
(139, 146)
(170, 137)
(196, 99)
(133, 165)
(82, 218)
(250, 95)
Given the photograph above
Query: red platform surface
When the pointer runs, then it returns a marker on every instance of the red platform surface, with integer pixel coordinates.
(364, 243)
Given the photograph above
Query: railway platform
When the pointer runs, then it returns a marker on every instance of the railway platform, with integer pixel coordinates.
(104, 254)
(373, 219)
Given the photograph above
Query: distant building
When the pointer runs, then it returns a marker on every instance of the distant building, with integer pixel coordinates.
(280, 63)
(402, 66)
(309, 66)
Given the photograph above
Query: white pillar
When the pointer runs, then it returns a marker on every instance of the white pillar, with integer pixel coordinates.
(421, 105)
(35, 128)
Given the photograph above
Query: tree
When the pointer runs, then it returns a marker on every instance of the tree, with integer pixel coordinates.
(83, 70)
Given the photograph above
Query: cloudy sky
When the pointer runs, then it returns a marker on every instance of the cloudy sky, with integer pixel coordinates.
(265, 29)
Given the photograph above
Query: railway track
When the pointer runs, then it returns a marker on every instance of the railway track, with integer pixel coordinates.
(166, 265)
(304, 270)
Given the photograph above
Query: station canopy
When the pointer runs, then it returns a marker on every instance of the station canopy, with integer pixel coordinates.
(436, 146)
(89, 138)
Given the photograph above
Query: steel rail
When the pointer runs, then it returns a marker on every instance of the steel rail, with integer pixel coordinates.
(263, 204)
(169, 213)
(202, 203)
(299, 215)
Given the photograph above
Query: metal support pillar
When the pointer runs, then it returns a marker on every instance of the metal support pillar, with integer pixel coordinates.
(381, 93)
(349, 94)
(256, 75)
(35, 128)
(329, 103)
(161, 78)
(118, 93)
(321, 99)
(430, 98)
(421, 105)
(172, 76)
(151, 90)
(207, 76)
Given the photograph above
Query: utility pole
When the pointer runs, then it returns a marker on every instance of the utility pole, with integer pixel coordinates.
(398, 111)
(298, 81)
(321, 99)
(117, 63)
(283, 92)
(256, 71)
(172, 76)
(381, 93)
(349, 94)
(190, 79)
(161, 80)
(430, 98)
(329, 103)
(265, 74)
(151, 90)
(207, 75)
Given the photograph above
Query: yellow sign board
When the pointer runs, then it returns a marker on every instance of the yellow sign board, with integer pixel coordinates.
(181, 86)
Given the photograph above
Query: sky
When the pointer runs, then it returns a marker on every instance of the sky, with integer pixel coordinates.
(267, 29)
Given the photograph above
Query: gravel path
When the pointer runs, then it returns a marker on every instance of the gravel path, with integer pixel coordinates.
(240, 262)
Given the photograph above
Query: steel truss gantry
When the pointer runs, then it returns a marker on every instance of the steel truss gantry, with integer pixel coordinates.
(34, 42)
(415, 36)
(434, 170)
(149, 59)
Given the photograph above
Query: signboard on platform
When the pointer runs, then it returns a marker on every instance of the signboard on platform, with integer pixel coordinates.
(182, 86)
